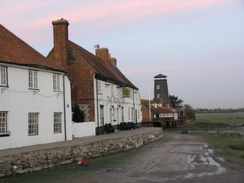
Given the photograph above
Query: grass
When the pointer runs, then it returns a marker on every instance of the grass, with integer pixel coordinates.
(230, 118)
(228, 147)
(237, 147)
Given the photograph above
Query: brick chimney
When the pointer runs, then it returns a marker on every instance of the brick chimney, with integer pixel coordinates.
(60, 39)
(103, 54)
(113, 61)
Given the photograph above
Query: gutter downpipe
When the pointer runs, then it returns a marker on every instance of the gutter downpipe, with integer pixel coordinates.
(134, 112)
(97, 106)
(149, 103)
(65, 130)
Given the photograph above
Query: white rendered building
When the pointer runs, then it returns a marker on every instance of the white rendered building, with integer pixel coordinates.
(35, 98)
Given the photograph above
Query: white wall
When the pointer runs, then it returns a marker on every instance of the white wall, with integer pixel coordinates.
(116, 102)
(83, 129)
(18, 100)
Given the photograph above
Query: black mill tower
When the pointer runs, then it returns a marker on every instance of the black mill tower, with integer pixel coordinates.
(161, 90)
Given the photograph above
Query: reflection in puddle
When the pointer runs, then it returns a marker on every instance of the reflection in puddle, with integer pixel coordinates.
(204, 160)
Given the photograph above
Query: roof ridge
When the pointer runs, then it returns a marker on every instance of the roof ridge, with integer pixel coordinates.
(101, 68)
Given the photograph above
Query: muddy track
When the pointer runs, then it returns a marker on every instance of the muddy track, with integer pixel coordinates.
(174, 158)
(177, 158)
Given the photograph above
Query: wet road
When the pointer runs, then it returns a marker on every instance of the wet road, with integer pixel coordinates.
(175, 158)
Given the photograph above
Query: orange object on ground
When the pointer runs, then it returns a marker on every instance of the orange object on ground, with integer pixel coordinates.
(83, 162)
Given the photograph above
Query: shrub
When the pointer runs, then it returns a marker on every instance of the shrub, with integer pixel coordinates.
(78, 115)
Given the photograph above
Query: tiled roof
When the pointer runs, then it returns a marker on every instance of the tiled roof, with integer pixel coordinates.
(165, 110)
(102, 70)
(16, 51)
(145, 103)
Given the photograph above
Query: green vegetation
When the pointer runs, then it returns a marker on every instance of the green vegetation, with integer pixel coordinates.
(237, 147)
(78, 114)
(189, 112)
(175, 101)
(229, 147)
(230, 118)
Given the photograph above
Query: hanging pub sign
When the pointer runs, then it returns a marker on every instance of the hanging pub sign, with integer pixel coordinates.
(126, 93)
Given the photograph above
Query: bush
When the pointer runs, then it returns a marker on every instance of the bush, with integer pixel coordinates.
(78, 115)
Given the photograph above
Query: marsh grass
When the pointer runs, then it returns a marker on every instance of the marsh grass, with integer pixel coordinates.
(230, 118)
(237, 147)
(229, 147)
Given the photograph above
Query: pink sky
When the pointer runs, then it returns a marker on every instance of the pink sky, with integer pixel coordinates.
(196, 43)
(114, 12)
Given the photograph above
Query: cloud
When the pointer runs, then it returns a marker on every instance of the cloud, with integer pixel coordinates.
(107, 12)
(11, 8)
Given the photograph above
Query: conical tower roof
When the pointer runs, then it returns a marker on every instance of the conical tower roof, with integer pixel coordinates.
(160, 76)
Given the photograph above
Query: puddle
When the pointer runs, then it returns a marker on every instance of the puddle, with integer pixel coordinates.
(210, 151)
(212, 162)
(190, 159)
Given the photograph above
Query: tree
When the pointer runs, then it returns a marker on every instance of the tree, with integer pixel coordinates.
(78, 115)
(189, 112)
(175, 101)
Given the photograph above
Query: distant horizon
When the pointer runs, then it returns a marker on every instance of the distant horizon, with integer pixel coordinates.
(198, 45)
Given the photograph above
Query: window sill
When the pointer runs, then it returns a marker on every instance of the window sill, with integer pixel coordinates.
(5, 134)
(36, 89)
(3, 88)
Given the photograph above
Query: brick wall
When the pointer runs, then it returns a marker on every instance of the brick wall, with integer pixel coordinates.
(81, 78)
(47, 158)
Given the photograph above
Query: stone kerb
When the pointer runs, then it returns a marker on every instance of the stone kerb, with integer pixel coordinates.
(37, 160)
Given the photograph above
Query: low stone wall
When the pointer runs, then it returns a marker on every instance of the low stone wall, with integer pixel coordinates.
(37, 160)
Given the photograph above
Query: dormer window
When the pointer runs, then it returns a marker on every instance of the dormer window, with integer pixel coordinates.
(33, 80)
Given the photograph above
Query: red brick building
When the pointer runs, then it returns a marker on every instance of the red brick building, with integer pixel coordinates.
(97, 83)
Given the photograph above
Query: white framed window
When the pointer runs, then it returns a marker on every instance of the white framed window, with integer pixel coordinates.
(135, 94)
(157, 87)
(122, 114)
(3, 122)
(33, 80)
(99, 86)
(3, 76)
(158, 96)
(129, 113)
(56, 82)
(102, 115)
(32, 124)
(131, 93)
(112, 90)
(57, 122)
